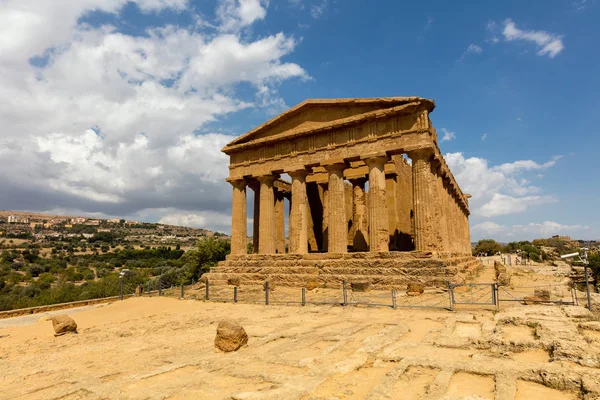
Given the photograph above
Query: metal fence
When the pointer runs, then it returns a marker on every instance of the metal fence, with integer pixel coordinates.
(447, 298)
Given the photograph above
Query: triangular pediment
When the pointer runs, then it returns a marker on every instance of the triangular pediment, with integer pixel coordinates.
(316, 113)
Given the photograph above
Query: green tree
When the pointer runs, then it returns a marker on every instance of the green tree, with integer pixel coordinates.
(487, 246)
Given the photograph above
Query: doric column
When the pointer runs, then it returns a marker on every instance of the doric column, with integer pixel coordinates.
(266, 225)
(360, 222)
(451, 225)
(423, 196)
(379, 237)
(442, 217)
(299, 213)
(337, 225)
(467, 233)
(255, 186)
(239, 237)
(325, 221)
(279, 222)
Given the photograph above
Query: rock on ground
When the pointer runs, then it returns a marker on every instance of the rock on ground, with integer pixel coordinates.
(415, 288)
(63, 324)
(230, 336)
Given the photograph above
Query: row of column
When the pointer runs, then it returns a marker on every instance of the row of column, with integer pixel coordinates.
(440, 224)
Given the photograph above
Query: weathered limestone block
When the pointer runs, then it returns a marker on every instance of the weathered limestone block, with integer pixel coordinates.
(504, 279)
(361, 286)
(542, 294)
(234, 281)
(230, 336)
(63, 324)
(415, 288)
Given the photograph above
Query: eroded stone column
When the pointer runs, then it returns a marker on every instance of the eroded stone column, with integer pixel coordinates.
(360, 221)
(325, 223)
(255, 186)
(442, 217)
(299, 213)
(337, 225)
(379, 237)
(423, 196)
(279, 223)
(239, 237)
(266, 225)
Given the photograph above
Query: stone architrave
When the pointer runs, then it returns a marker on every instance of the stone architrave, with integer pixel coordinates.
(379, 237)
(299, 213)
(239, 237)
(360, 222)
(337, 226)
(266, 226)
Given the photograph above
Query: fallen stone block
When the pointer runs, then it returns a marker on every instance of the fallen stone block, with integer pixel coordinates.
(230, 336)
(542, 294)
(63, 324)
(415, 288)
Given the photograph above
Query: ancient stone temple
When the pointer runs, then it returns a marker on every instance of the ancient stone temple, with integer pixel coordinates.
(370, 197)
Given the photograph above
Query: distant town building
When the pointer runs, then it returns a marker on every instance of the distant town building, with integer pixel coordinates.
(565, 238)
(103, 230)
(15, 219)
(132, 222)
(93, 222)
(113, 221)
(78, 220)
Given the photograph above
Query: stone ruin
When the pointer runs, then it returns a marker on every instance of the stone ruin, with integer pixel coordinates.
(359, 209)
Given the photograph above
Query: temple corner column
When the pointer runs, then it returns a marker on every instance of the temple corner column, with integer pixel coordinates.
(239, 235)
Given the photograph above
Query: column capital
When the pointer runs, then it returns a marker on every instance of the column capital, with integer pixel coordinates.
(378, 161)
(300, 174)
(240, 183)
(420, 154)
(266, 179)
(337, 166)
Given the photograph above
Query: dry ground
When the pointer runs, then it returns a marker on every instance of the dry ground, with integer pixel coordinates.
(162, 348)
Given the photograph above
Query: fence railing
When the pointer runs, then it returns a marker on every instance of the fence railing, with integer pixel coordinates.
(474, 294)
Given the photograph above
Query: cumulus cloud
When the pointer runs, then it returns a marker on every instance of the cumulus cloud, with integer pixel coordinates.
(117, 124)
(498, 190)
(448, 135)
(549, 44)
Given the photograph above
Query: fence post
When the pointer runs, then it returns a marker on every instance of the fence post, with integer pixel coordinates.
(303, 296)
(587, 288)
(394, 299)
(451, 293)
(207, 290)
(235, 294)
(121, 287)
(345, 292)
(267, 293)
(182, 294)
(493, 286)
(574, 296)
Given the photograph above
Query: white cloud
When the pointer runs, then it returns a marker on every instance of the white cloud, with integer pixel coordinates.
(548, 43)
(484, 136)
(317, 10)
(531, 230)
(236, 14)
(501, 204)
(110, 123)
(448, 135)
(498, 190)
(474, 49)
(219, 221)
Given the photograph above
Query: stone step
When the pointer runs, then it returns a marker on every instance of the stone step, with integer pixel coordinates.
(383, 271)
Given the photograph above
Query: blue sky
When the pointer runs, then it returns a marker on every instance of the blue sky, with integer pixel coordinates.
(120, 108)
